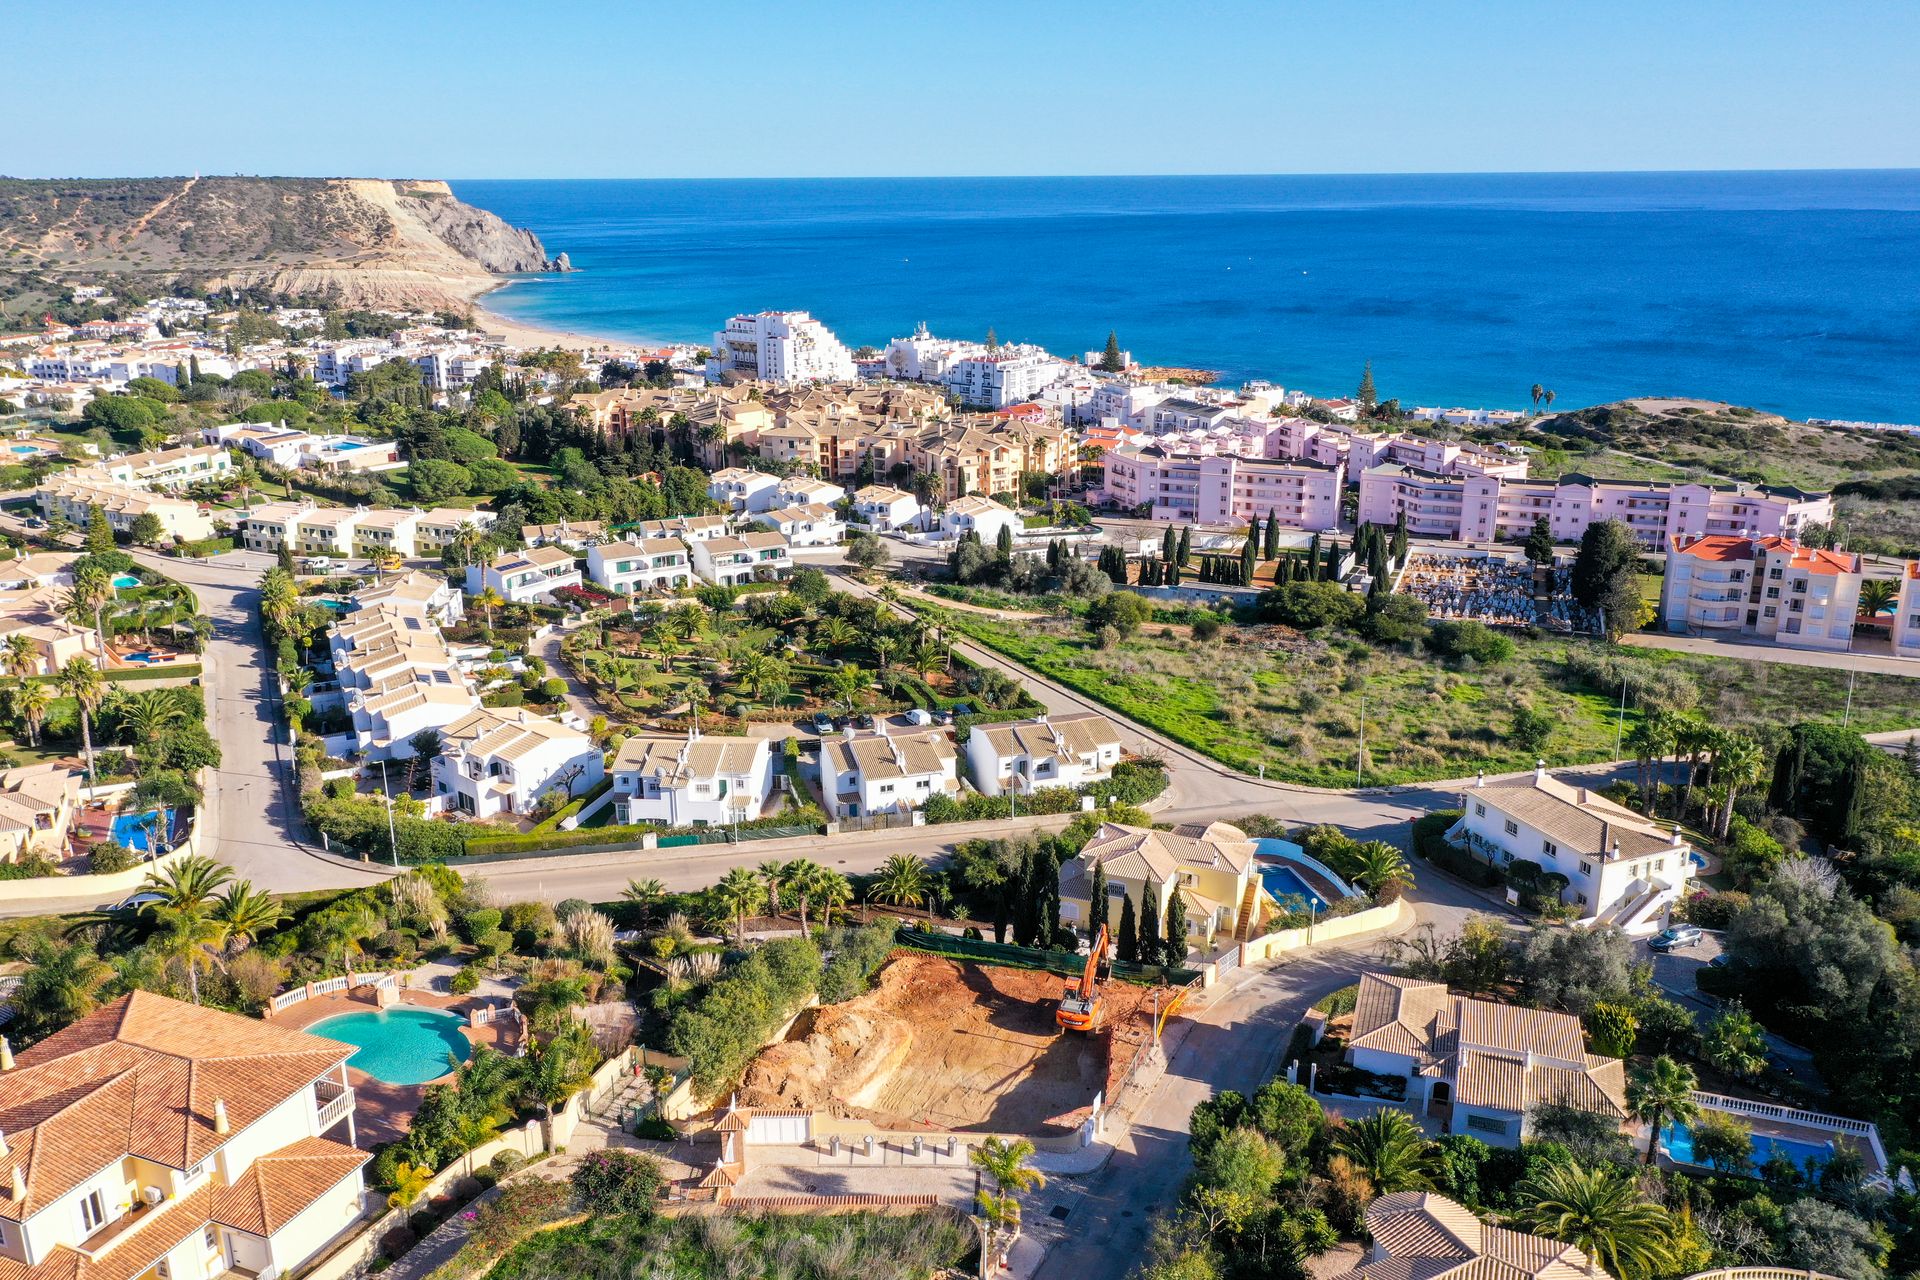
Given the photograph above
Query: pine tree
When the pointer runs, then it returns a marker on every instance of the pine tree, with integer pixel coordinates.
(1128, 945)
(1173, 946)
(1540, 541)
(99, 532)
(1097, 908)
(993, 339)
(1366, 395)
(1111, 361)
(1184, 551)
(1150, 926)
(1273, 536)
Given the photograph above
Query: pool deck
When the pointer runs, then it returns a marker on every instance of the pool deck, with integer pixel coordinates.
(1328, 891)
(382, 1111)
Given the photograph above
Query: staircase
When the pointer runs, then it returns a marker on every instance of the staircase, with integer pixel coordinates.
(1249, 918)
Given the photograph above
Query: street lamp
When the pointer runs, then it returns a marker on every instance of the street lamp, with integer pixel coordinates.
(393, 840)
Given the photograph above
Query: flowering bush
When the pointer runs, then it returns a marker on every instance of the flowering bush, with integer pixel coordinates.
(521, 1208)
(617, 1182)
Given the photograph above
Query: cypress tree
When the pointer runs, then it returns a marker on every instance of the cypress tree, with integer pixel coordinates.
(1185, 551)
(1249, 557)
(1397, 550)
(1173, 573)
(1273, 535)
(180, 376)
(1097, 908)
(1026, 908)
(1313, 550)
(193, 368)
(1053, 555)
(1128, 944)
(1003, 545)
(1173, 946)
(1169, 546)
(99, 532)
(1332, 572)
(1150, 927)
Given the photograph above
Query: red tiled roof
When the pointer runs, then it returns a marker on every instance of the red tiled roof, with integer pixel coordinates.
(278, 1186)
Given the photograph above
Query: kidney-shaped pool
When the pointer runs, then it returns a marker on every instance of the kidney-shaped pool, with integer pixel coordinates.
(400, 1046)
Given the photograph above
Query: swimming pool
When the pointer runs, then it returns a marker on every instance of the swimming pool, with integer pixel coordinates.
(135, 830)
(344, 446)
(1281, 880)
(338, 606)
(400, 1046)
(1678, 1141)
(24, 448)
(126, 580)
(143, 656)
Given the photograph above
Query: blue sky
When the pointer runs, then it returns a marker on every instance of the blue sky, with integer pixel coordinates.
(580, 88)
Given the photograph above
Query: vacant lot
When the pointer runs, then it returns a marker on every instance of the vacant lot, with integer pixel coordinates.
(943, 1045)
(1271, 696)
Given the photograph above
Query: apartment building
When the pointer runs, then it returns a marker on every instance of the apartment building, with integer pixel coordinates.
(1769, 588)
(424, 594)
(982, 516)
(811, 525)
(1620, 868)
(996, 379)
(73, 495)
(688, 529)
(387, 531)
(506, 760)
(753, 556)
(877, 773)
(436, 530)
(693, 781)
(168, 468)
(575, 535)
(805, 491)
(1072, 750)
(743, 490)
(396, 675)
(1212, 865)
(325, 531)
(524, 576)
(1223, 489)
(883, 508)
(781, 347)
(635, 565)
(158, 1140)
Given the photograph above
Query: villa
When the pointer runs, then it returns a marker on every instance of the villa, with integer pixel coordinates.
(1051, 751)
(1212, 864)
(1425, 1235)
(1618, 868)
(40, 614)
(1485, 1066)
(638, 565)
(754, 556)
(878, 773)
(692, 781)
(157, 1140)
(37, 803)
(504, 761)
(982, 516)
(882, 508)
(521, 577)
(812, 525)
(743, 490)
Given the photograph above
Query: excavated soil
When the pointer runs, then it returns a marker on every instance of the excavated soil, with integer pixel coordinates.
(941, 1045)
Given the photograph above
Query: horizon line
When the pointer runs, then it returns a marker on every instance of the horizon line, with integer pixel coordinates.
(978, 177)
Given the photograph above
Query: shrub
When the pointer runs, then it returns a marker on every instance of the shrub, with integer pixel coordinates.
(495, 944)
(735, 1014)
(857, 956)
(1311, 605)
(478, 923)
(1474, 640)
(104, 857)
(612, 1182)
(465, 981)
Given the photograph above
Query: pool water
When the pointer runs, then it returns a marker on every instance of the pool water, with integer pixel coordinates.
(1678, 1140)
(338, 606)
(23, 448)
(143, 655)
(1282, 880)
(126, 580)
(400, 1046)
(135, 830)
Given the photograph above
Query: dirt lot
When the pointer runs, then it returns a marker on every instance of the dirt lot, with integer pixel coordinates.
(942, 1045)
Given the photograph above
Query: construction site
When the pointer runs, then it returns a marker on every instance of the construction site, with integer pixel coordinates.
(946, 1045)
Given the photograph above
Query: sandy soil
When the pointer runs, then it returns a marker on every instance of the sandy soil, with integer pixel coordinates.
(942, 1045)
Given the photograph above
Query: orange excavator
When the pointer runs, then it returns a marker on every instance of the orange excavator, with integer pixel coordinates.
(1080, 1005)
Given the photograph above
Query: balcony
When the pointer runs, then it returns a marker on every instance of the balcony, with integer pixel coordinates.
(333, 1102)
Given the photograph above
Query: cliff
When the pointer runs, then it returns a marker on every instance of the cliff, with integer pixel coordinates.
(358, 241)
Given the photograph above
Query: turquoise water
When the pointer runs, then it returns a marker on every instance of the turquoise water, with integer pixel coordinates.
(23, 448)
(135, 830)
(1678, 1140)
(400, 1046)
(126, 580)
(1786, 291)
(347, 446)
(1281, 879)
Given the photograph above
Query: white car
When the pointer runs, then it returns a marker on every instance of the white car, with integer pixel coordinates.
(919, 716)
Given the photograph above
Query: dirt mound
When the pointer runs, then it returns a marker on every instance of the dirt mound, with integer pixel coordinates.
(942, 1045)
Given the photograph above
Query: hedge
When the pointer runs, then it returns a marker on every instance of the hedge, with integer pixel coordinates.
(1429, 842)
(129, 675)
(572, 807)
(1133, 782)
(719, 1032)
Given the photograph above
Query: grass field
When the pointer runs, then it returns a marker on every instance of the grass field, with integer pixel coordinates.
(1293, 703)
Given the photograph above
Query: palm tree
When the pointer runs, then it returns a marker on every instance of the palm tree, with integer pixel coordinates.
(488, 600)
(63, 984)
(835, 634)
(773, 874)
(147, 714)
(1006, 1161)
(1651, 741)
(1599, 1211)
(740, 892)
(1875, 595)
(1660, 1094)
(884, 648)
(802, 877)
(83, 684)
(557, 1070)
(644, 894)
(1740, 764)
(31, 702)
(1389, 1148)
(1378, 865)
(190, 882)
(834, 890)
(467, 541)
(91, 593)
(20, 658)
(902, 881)
(1693, 739)
(245, 913)
(846, 682)
(190, 934)
(1000, 1211)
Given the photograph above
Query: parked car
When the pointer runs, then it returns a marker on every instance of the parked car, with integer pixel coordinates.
(943, 717)
(822, 722)
(863, 721)
(919, 716)
(140, 900)
(1675, 936)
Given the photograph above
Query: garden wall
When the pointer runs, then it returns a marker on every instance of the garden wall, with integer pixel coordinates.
(1373, 920)
(113, 885)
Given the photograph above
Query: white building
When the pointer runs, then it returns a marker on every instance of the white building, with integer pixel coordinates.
(522, 577)
(744, 490)
(154, 1138)
(168, 468)
(812, 525)
(428, 595)
(878, 773)
(505, 760)
(692, 781)
(1000, 378)
(1024, 756)
(781, 347)
(883, 508)
(1771, 588)
(801, 491)
(73, 495)
(638, 565)
(754, 556)
(1491, 1066)
(974, 514)
(689, 529)
(1620, 868)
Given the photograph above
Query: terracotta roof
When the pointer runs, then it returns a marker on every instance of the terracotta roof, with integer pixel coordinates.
(1400, 1015)
(1429, 1237)
(141, 1077)
(1066, 737)
(1140, 853)
(128, 1254)
(1576, 818)
(278, 1186)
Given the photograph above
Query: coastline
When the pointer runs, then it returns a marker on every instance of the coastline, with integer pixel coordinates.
(528, 336)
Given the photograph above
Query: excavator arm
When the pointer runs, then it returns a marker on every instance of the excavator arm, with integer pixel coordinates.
(1080, 1005)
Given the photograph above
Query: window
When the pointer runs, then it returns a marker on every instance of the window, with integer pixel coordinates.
(1486, 1124)
(1548, 848)
(212, 1237)
(1513, 828)
(93, 1212)
(1586, 868)
(1480, 810)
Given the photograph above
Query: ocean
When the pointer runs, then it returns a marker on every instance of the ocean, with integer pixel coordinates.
(1796, 292)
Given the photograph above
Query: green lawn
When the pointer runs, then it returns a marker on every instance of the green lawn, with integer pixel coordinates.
(1269, 696)
(876, 1247)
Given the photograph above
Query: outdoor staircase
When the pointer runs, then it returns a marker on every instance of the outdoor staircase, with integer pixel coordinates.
(1249, 918)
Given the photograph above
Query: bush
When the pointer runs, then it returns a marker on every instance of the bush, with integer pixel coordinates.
(1715, 910)
(495, 944)
(857, 956)
(735, 1013)
(105, 857)
(478, 923)
(615, 1182)
(1309, 606)
(465, 981)
(1474, 640)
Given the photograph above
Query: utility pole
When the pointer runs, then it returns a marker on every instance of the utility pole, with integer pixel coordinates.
(1847, 715)
(1360, 757)
(393, 841)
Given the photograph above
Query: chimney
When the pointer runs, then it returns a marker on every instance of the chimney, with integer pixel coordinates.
(3, 1145)
(6, 1054)
(220, 1123)
(19, 1186)
(1678, 840)
(1480, 779)
(1539, 770)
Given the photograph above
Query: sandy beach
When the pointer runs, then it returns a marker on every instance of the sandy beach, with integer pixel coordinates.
(528, 336)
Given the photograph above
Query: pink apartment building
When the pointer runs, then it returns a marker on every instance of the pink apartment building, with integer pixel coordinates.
(1484, 508)
(1223, 489)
